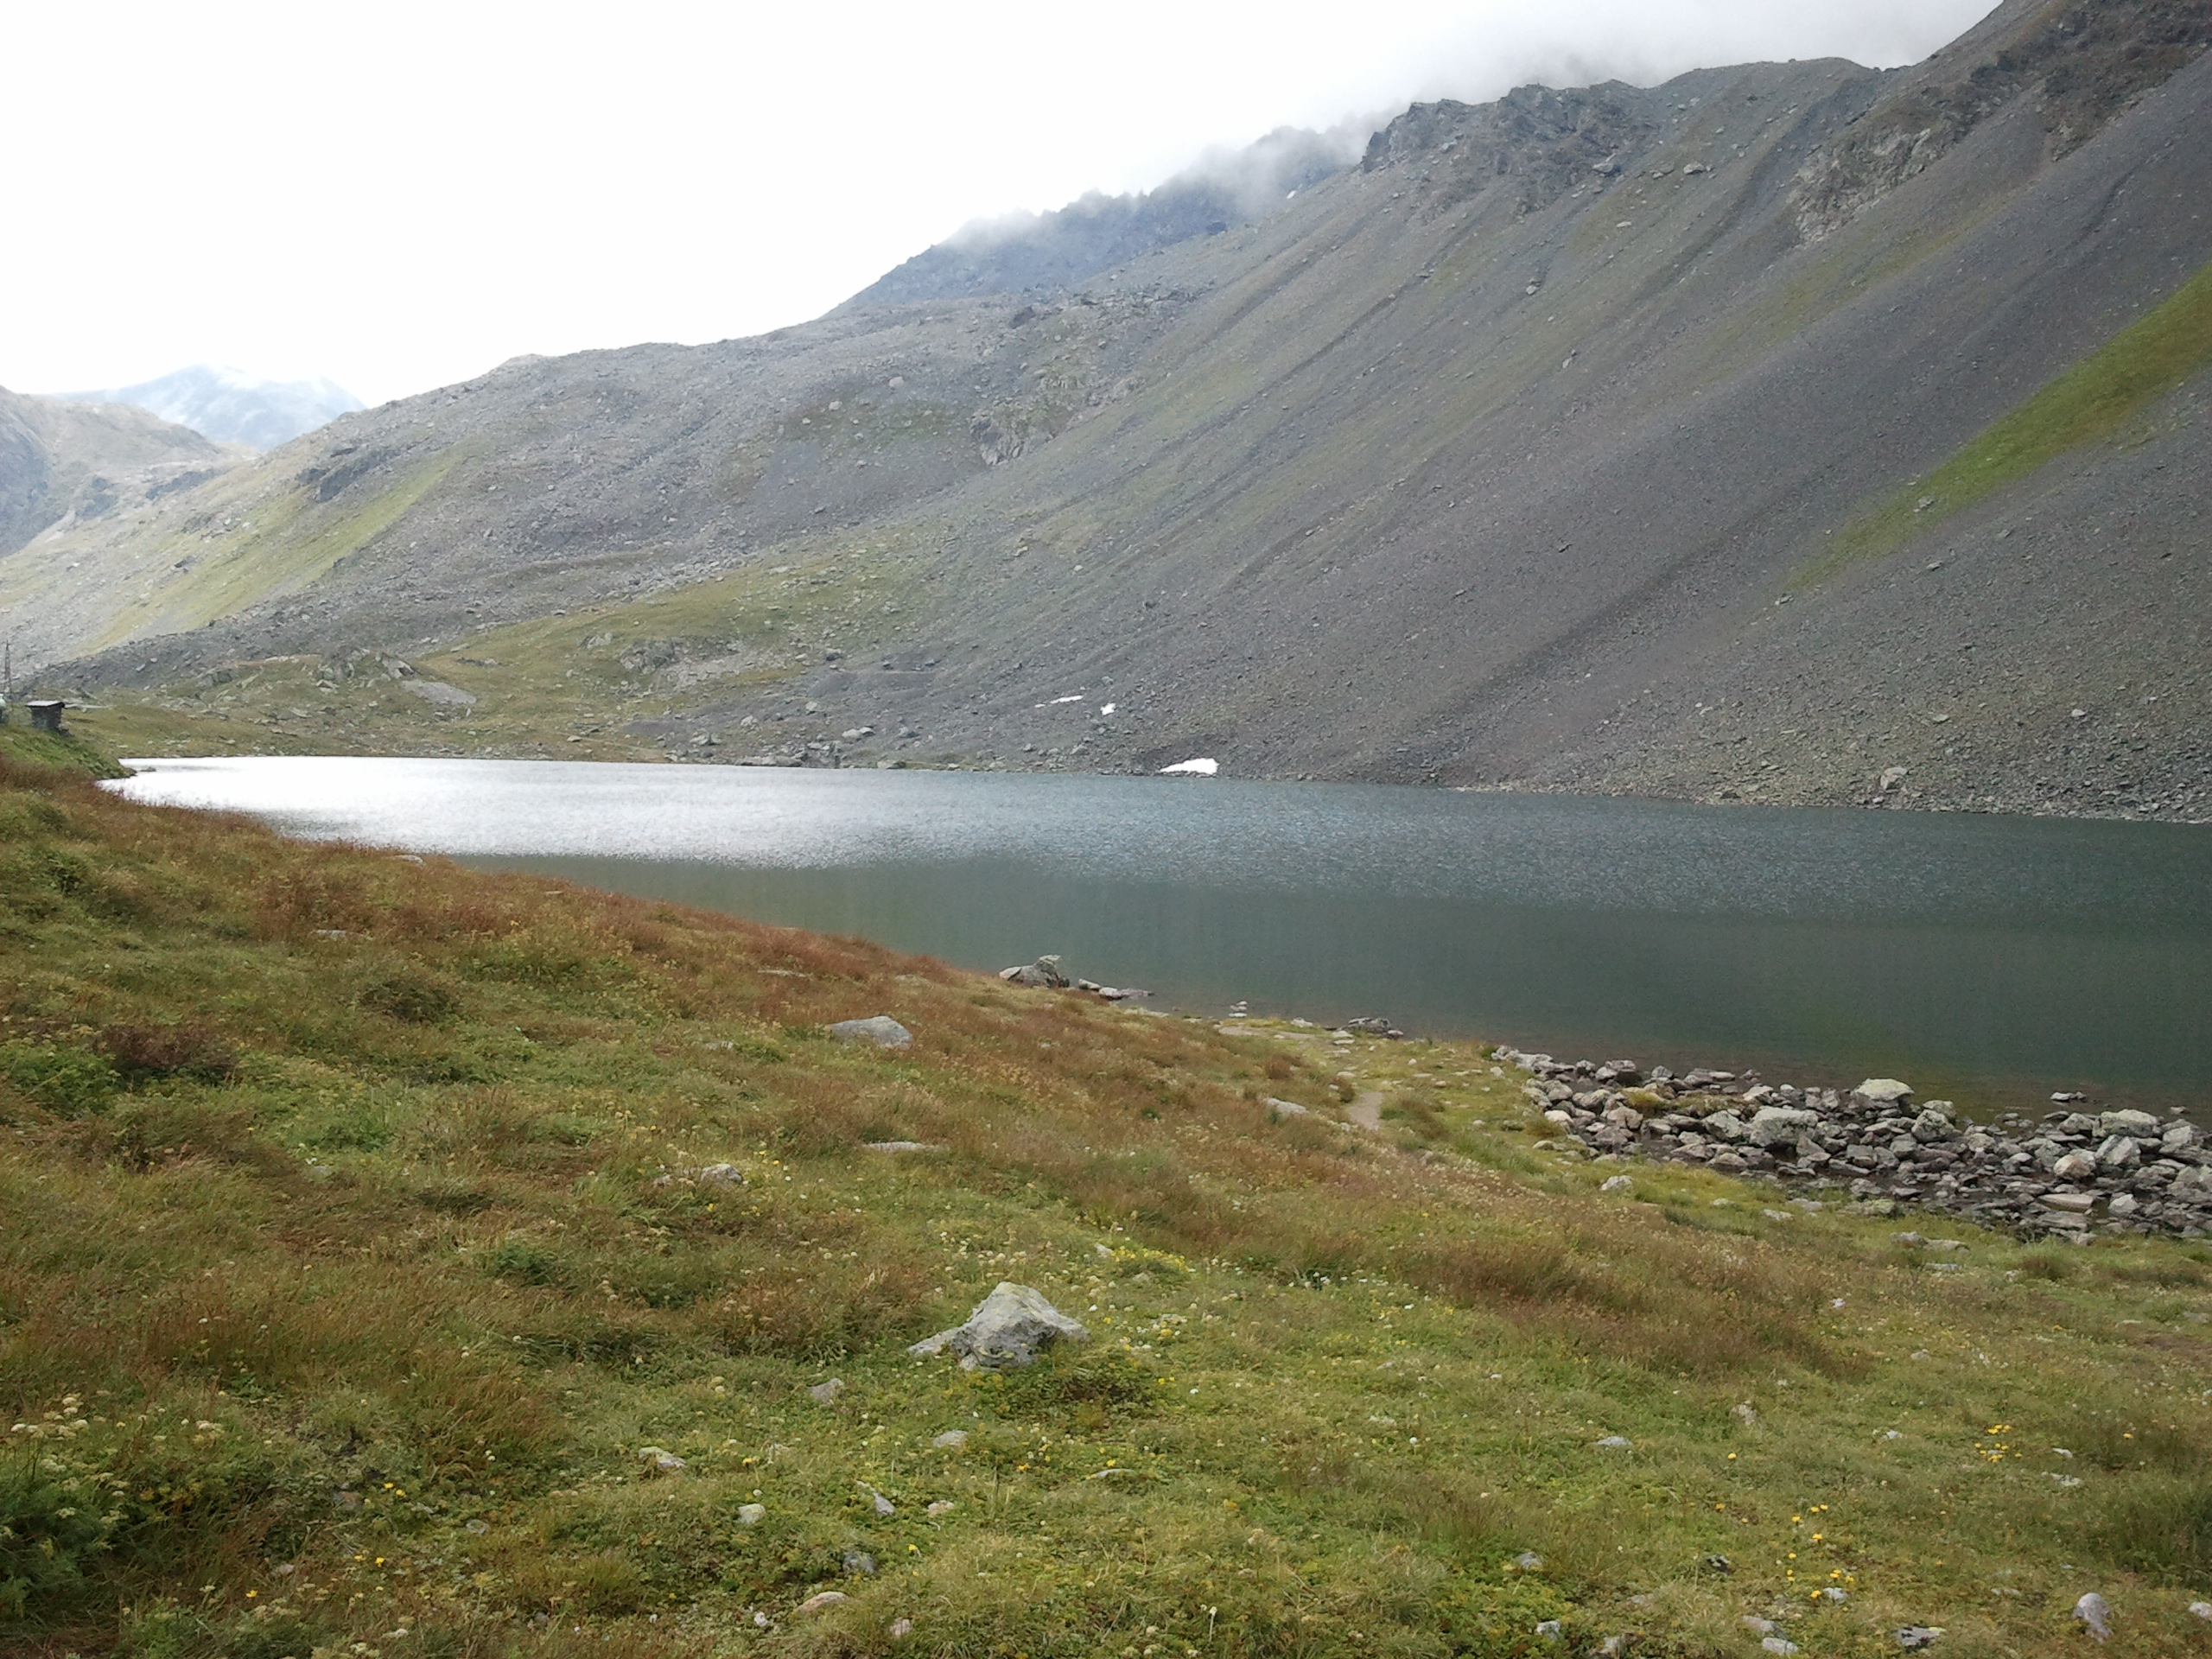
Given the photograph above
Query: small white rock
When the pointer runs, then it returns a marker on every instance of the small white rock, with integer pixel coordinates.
(752, 1514)
(2094, 1611)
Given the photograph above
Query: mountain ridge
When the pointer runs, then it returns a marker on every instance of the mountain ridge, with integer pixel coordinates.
(62, 461)
(1049, 253)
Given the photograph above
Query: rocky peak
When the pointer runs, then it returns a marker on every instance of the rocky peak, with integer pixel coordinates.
(2077, 66)
(1542, 138)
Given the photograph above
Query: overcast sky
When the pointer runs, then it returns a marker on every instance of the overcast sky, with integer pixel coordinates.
(404, 194)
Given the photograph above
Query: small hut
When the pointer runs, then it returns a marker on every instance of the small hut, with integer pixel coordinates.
(46, 714)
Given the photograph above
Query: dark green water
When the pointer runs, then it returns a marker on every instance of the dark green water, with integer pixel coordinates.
(1977, 957)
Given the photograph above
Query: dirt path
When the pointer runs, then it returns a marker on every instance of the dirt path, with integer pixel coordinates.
(1366, 1109)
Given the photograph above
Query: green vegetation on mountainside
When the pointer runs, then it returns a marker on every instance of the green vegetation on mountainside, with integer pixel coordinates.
(357, 1237)
(569, 684)
(2090, 402)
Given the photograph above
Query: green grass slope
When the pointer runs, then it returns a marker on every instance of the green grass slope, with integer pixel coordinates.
(356, 1263)
(2090, 402)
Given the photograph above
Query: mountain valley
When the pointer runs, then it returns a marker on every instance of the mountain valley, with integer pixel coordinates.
(1793, 433)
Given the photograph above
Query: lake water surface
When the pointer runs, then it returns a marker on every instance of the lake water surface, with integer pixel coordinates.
(1979, 956)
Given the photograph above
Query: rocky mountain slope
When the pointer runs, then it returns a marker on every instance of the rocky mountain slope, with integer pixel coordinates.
(1791, 432)
(62, 464)
(233, 407)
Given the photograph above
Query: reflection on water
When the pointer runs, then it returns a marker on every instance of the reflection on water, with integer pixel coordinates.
(1965, 952)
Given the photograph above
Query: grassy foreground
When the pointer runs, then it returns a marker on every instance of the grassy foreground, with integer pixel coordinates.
(341, 1289)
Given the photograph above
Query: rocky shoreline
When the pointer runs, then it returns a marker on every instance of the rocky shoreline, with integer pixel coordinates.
(2069, 1175)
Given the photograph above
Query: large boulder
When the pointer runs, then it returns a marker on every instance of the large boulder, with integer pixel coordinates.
(1879, 1092)
(1008, 1329)
(1779, 1126)
(880, 1029)
(1043, 973)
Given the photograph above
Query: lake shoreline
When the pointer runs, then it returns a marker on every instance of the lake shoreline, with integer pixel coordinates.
(1984, 957)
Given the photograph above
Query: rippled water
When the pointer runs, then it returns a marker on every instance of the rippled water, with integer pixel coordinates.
(1962, 952)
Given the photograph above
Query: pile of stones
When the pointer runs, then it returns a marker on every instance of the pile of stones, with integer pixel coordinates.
(2067, 1175)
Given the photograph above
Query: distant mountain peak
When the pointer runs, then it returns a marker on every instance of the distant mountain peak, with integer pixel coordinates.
(231, 406)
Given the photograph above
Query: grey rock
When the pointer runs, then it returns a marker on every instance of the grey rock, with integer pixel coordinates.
(1615, 1443)
(2119, 1151)
(1917, 1635)
(1008, 1329)
(1881, 1092)
(2141, 1126)
(860, 1563)
(821, 1603)
(1726, 1125)
(1779, 1126)
(752, 1514)
(2075, 1165)
(2078, 1204)
(1043, 973)
(1616, 1184)
(880, 1029)
(1778, 1644)
(823, 1394)
(658, 1462)
(951, 1440)
(438, 691)
(1549, 1630)
(1528, 1561)
(1286, 1107)
(2095, 1613)
(1932, 1126)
